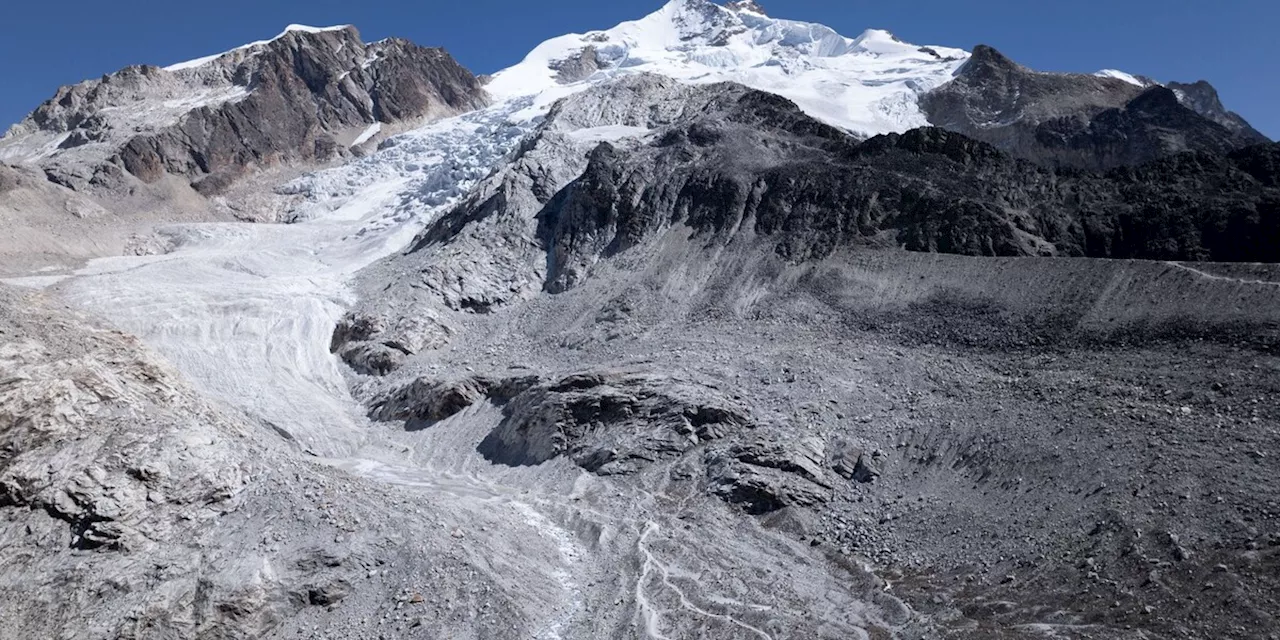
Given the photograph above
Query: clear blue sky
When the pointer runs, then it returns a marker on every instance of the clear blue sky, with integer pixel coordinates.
(1235, 44)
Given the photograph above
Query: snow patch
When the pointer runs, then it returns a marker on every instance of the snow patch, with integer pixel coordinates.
(867, 85)
(368, 134)
(1120, 75)
(608, 133)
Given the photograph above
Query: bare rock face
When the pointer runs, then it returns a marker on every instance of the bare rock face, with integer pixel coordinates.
(579, 67)
(52, 460)
(1078, 120)
(375, 345)
(302, 97)
(426, 401)
(766, 475)
(746, 5)
(1201, 97)
(751, 167)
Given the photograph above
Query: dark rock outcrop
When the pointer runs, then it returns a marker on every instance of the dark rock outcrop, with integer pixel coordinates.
(426, 401)
(1081, 121)
(763, 475)
(1153, 125)
(580, 67)
(1201, 97)
(611, 422)
(374, 345)
(754, 166)
(746, 5)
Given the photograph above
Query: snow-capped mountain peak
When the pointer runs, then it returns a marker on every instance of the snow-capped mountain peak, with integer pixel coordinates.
(869, 84)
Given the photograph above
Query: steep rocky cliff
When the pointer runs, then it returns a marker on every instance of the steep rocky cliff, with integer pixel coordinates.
(308, 95)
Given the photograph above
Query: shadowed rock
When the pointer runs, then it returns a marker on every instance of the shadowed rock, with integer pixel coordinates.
(611, 422)
(1079, 120)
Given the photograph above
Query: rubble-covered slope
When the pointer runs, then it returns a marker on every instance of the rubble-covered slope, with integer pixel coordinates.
(133, 507)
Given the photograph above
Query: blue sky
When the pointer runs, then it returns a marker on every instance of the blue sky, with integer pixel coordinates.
(1234, 44)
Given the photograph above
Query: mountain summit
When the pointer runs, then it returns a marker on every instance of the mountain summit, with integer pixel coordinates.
(307, 95)
(867, 85)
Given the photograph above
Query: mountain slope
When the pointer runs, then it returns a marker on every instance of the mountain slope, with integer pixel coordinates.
(1201, 97)
(702, 315)
(1094, 122)
(308, 95)
(868, 84)
(617, 167)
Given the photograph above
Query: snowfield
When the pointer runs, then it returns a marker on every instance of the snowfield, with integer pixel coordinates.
(868, 85)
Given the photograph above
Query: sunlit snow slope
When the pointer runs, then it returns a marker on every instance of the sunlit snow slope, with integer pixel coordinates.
(868, 85)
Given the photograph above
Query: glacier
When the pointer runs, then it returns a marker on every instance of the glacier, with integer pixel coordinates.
(246, 310)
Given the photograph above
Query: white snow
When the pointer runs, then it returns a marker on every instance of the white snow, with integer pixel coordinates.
(199, 62)
(867, 85)
(1120, 75)
(608, 133)
(209, 98)
(368, 134)
(31, 147)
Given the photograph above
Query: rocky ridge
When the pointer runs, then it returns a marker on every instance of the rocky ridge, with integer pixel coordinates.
(307, 96)
(1094, 122)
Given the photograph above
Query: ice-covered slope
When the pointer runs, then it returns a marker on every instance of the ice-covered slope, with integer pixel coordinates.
(247, 310)
(868, 84)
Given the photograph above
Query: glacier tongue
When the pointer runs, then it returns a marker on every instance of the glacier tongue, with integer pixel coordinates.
(247, 310)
